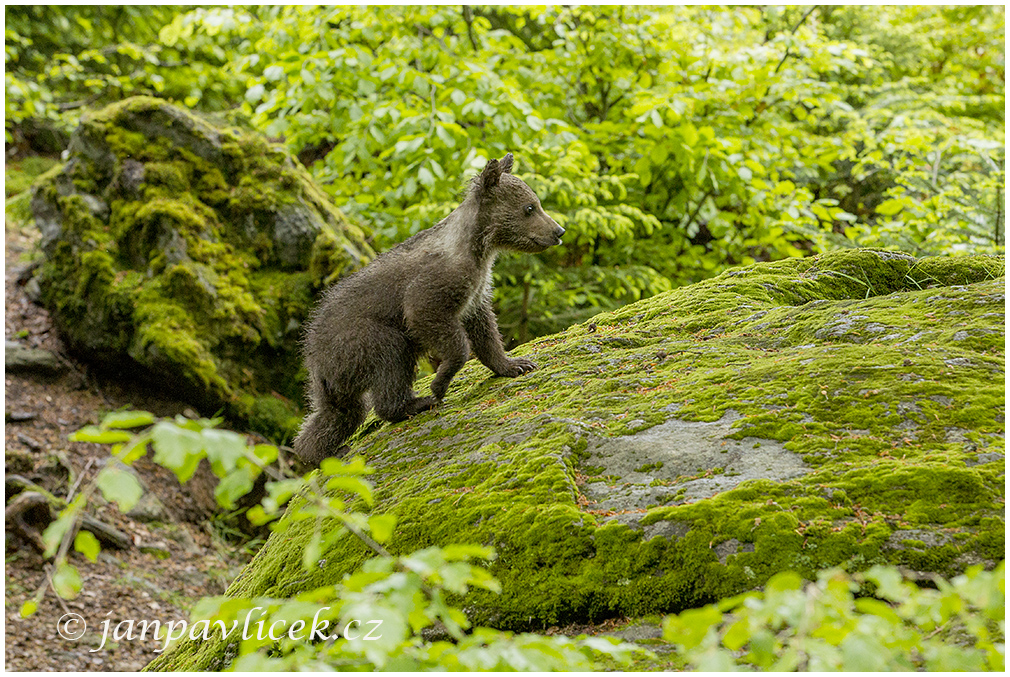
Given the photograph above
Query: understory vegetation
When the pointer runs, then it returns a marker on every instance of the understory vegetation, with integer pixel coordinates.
(870, 621)
(672, 142)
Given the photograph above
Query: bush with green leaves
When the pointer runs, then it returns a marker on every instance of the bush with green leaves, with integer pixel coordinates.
(670, 142)
(829, 626)
(410, 594)
(61, 60)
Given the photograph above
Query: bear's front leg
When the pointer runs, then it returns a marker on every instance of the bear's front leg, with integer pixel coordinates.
(482, 330)
(452, 349)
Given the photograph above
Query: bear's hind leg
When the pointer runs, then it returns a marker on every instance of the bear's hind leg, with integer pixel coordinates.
(392, 395)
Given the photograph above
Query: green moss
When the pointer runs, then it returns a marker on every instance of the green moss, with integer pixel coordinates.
(869, 390)
(21, 174)
(273, 416)
(166, 257)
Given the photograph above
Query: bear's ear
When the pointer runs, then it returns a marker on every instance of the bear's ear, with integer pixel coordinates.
(491, 174)
(506, 164)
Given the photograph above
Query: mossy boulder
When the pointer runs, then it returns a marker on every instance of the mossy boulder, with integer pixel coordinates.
(191, 249)
(841, 410)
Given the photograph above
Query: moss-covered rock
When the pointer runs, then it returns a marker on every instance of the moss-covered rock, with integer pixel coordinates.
(192, 249)
(846, 409)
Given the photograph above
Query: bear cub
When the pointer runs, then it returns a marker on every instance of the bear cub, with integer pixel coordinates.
(431, 294)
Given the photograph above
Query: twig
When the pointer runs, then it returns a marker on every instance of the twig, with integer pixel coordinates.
(793, 32)
(49, 577)
(782, 62)
(468, 18)
(697, 208)
(77, 483)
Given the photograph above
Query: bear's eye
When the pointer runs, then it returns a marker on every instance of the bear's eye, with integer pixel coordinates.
(529, 210)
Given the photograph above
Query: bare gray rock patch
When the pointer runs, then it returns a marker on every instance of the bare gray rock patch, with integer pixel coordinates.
(664, 464)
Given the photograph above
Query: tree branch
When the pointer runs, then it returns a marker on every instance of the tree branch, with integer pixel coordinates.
(697, 208)
(793, 32)
(468, 18)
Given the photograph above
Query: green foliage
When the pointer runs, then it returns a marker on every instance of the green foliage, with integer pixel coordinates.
(374, 618)
(828, 626)
(59, 60)
(670, 142)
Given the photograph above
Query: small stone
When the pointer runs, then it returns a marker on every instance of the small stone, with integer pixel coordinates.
(33, 291)
(20, 358)
(19, 416)
(29, 442)
(148, 509)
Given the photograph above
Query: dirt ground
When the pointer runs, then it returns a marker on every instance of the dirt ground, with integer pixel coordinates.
(181, 556)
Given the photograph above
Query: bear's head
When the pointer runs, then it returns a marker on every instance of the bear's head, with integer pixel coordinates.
(513, 211)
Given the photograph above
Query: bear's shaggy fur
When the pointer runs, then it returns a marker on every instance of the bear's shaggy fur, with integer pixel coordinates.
(431, 294)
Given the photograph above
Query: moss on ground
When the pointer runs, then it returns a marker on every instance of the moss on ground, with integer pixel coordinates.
(192, 250)
(883, 373)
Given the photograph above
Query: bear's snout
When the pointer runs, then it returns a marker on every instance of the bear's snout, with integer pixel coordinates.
(558, 232)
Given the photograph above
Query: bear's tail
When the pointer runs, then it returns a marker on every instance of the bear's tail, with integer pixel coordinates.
(325, 430)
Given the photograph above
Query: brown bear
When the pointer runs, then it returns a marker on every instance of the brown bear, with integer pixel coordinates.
(430, 294)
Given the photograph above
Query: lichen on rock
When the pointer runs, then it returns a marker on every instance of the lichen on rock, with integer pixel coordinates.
(191, 249)
(598, 480)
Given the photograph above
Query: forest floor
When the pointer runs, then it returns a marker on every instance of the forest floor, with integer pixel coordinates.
(183, 554)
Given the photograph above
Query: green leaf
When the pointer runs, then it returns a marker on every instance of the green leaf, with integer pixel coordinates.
(29, 608)
(257, 516)
(876, 607)
(266, 453)
(178, 449)
(134, 449)
(689, 133)
(690, 627)
(224, 448)
(890, 207)
(737, 635)
(254, 93)
(355, 485)
(53, 535)
(279, 492)
(443, 134)
(784, 581)
(128, 419)
(86, 544)
(119, 486)
(313, 550)
(66, 580)
(889, 583)
(98, 436)
(426, 178)
(233, 486)
(381, 527)
(464, 551)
